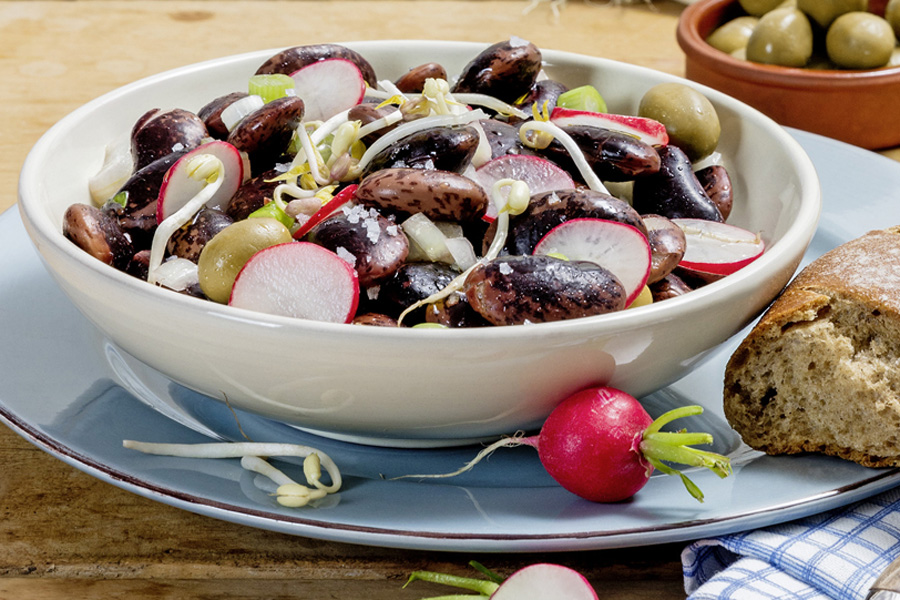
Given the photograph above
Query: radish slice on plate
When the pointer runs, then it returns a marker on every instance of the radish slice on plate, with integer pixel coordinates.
(298, 279)
(540, 174)
(179, 185)
(547, 582)
(328, 87)
(648, 131)
(718, 248)
(617, 247)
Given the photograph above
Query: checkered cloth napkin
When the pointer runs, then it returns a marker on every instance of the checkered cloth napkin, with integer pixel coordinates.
(835, 555)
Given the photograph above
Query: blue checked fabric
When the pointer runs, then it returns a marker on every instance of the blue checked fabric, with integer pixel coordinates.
(835, 555)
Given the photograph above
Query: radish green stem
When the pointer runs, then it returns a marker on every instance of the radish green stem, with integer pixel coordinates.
(483, 587)
(658, 446)
(485, 571)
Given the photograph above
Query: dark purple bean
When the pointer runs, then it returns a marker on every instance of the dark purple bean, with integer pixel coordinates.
(97, 233)
(674, 191)
(265, 134)
(546, 211)
(293, 59)
(505, 70)
(717, 185)
(514, 290)
(211, 114)
(613, 156)
(158, 134)
(375, 246)
(442, 148)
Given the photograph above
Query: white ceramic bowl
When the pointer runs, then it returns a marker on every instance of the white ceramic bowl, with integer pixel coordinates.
(414, 386)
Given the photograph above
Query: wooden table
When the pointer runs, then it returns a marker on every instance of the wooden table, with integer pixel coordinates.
(64, 534)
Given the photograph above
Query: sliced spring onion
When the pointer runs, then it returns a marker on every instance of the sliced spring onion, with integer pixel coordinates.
(273, 211)
(585, 97)
(271, 86)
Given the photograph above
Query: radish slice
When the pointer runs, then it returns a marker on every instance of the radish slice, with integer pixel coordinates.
(718, 248)
(648, 131)
(540, 174)
(547, 582)
(618, 247)
(329, 208)
(328, 87)
(178, 186)
(298, 279)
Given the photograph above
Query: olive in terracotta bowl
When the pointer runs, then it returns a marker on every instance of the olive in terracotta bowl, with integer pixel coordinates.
(402, 385)
(800, 87)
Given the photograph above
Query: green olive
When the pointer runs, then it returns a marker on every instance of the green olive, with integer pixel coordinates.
(860, 40)
(230, 249)
(783, 37)
(758, 8)
(824, 12)
(689, 117)
(732, 35)
(892, 15)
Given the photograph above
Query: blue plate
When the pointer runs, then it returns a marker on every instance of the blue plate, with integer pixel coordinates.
(69, 391)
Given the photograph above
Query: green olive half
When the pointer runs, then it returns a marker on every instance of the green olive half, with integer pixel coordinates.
(230, 249)
(689, 117)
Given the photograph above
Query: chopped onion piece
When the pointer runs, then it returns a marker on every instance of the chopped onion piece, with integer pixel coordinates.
(235, 112)
(462, 252)
(177, 274)
(117, 168)
(426, 238)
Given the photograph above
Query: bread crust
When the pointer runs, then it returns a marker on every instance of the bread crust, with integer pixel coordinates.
(820, 372)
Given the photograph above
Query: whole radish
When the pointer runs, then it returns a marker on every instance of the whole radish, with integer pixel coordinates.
(601, 444)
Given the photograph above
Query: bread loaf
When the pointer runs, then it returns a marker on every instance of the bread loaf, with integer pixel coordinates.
(820, 372)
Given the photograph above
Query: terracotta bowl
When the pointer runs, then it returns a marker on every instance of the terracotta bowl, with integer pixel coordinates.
(860, 107)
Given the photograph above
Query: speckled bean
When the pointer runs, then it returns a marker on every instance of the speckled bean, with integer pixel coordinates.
(440, 195)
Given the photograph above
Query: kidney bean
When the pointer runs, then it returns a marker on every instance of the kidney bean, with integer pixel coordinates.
(413, 81)
(189, 241)
(97, 233)
(158, 134)
(292, 59)
(505, 70)
(443, 148)
(375, 246)
(667, 246)
(211, 114)
(265, 134)
(514, 290)
(440, 195)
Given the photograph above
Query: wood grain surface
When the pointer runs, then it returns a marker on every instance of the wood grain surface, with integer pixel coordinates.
(64, 534)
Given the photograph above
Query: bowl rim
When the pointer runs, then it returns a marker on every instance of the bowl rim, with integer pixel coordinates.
(798, 233)
(693, 43)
